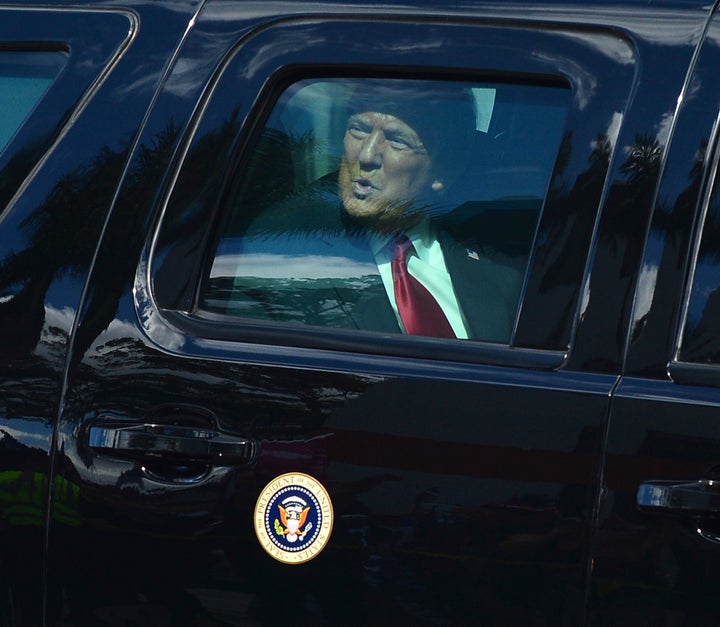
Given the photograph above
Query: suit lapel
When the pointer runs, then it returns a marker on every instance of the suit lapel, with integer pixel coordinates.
(486, 312)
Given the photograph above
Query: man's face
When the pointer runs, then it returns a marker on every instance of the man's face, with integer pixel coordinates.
(385, 169)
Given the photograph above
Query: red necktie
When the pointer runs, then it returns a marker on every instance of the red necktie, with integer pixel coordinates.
(419, 311)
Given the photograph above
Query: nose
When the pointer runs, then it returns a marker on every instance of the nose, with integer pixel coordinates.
(371, 150)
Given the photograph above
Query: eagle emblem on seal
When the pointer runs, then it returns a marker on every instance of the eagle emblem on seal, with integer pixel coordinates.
(293, 517)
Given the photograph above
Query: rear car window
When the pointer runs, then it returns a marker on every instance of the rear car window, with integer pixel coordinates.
(24, 78)
(357, 190)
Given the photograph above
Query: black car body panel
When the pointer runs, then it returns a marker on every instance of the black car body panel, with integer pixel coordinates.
(470, 482)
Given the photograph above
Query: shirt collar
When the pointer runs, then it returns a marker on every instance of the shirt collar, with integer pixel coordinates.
(420, 235)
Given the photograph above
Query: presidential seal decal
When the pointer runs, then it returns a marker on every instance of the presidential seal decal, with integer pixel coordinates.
(293, 518)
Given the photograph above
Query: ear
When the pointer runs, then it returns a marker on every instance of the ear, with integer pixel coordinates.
(437, 185)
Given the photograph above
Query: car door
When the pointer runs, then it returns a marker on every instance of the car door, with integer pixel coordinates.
(656, 552)
(61, 78)
(50, 65)
(233, 467)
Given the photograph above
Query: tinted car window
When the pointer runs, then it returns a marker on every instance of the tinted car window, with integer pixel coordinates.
(347, 174)
(24, 78)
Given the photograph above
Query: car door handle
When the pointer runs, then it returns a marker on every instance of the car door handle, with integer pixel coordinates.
(153, 441)
(692, 498)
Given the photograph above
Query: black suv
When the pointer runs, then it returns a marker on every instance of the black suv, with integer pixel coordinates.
(220, 401)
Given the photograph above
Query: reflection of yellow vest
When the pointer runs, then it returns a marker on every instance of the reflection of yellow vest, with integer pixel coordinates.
(23, 496)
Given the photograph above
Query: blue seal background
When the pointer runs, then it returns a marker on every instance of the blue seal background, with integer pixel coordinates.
(272, 513)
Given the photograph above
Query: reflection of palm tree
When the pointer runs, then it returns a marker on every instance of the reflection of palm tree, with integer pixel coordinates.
(643, 159)
(571, 225)
(624, 218)
(129, 227)
(270, 175)
(624, 205)
(62, 234)
(670, 224)
(642, 168)
(602, 149)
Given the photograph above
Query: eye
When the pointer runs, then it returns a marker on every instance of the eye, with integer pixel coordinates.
(399, 143)
(358, 130)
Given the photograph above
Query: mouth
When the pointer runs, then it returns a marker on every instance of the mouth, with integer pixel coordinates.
(362, 187)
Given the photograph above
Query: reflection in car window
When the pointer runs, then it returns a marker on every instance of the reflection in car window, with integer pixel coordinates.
(397, 206)
(701, 338)
(24, 78)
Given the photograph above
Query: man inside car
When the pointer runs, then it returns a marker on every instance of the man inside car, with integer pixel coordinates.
(405, 148)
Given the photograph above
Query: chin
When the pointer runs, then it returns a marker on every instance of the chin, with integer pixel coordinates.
(379, 218)
(360, 208)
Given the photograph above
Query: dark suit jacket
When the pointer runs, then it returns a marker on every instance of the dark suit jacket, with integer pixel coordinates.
(486, 289)
(486, 282)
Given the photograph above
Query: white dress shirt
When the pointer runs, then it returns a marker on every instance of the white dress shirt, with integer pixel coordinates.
(428, 267)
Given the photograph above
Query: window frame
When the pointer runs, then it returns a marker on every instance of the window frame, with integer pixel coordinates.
(198, 328)
(93, 42)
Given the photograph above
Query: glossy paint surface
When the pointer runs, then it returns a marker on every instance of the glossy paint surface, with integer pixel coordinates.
(657, 566)
(59, 175)
(469, 486)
